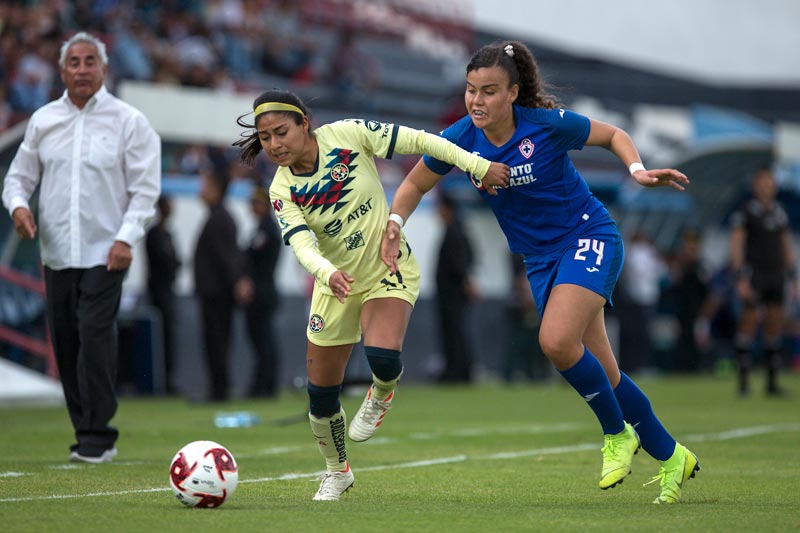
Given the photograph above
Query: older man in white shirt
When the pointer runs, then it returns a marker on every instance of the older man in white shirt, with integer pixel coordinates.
(97, 161)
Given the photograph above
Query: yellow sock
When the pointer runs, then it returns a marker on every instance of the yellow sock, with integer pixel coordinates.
(382, 389)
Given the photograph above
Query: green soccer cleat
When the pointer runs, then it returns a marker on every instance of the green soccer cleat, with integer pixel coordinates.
(673, 474)
(618, 452)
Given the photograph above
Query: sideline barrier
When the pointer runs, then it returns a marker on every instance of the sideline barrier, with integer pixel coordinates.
(38, 347)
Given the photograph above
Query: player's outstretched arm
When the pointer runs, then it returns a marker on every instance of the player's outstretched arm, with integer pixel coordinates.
(620, 143)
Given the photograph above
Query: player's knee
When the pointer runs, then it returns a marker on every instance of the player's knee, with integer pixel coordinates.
(557, 347)
(323, 401)
(384, 363)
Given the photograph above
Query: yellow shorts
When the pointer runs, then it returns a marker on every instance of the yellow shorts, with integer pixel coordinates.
(333, 324)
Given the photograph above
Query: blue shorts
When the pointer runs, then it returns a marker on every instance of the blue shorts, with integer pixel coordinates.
(593, 261)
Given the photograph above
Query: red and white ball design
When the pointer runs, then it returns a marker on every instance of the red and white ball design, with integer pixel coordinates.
(203, 474)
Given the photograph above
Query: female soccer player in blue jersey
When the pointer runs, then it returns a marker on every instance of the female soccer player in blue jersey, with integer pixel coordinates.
(572, 248)
(327, 183)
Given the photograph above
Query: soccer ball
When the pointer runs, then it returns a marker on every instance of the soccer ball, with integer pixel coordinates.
(203, 474)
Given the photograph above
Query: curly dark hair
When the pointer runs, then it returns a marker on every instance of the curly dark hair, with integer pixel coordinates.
(522, 70)
(249, 141)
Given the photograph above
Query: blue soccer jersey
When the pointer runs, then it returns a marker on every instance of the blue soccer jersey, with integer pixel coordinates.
(547, 204)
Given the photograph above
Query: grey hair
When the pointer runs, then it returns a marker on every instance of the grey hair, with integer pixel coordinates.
(83, 37)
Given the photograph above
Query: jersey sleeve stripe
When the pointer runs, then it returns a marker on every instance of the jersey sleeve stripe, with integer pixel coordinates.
(390, 150)
(292, 231)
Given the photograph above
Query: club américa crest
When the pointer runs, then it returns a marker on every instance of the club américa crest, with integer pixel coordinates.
(316, 323)
(339, 172)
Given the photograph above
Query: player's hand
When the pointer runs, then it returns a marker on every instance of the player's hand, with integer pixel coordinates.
(24, 224)
(661, 177)
(390, 246)
(339, 283)
(120, 256)
(497, 176)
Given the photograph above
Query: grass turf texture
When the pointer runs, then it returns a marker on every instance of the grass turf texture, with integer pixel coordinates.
(480, 458)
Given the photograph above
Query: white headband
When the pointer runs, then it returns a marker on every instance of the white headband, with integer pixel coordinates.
(509, 50)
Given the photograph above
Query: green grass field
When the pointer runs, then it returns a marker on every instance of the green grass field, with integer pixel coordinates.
(488, 458)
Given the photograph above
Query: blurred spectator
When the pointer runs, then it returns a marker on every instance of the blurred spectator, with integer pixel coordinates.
(523, 354)
(762, 259)
(165, 69)
(639, 294)
(197, 57)
(193, 160)
(455, 291)
(162, 268)
(237, 31)
(218, 279)
(287, 50)
(261, 260)
(131, 57)
(355, 74)
(6, 112)
(715, 329)
(31, 83)
(453, 109)
(793, 336)
(688, 289)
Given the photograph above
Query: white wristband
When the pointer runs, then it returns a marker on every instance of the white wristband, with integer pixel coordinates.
(394, 217)
(636, 166)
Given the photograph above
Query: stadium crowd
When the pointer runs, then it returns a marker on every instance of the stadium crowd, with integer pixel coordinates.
(227, 45)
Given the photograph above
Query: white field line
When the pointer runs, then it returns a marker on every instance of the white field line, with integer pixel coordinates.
(737, 433)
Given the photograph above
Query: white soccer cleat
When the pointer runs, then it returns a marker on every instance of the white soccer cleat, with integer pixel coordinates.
(369, 417)
(106, 457)
(334, 484)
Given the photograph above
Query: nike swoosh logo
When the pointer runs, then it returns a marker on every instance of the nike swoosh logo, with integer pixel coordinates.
(590, 397)
(593, 269)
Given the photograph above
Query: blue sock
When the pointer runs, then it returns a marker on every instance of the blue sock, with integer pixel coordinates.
(639, 413)
(590, 380)
(323, 401)
(384, 363)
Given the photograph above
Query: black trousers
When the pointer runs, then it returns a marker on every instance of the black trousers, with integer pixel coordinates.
(453, 331)
(217, 314)
(259, 315)
(163, 299)
(82, 306)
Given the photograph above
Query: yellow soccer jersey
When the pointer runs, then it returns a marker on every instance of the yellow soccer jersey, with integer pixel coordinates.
(342, 201)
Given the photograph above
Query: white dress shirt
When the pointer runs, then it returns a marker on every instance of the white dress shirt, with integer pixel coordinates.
(100, 173)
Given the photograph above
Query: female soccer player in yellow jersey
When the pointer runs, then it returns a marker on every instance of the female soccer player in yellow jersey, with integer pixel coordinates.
(328, 185)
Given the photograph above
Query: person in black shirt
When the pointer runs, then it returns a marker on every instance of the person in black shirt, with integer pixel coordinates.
(261, 260)
(454, 293)
(761, 259)
(162, 268)
(219, 280)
